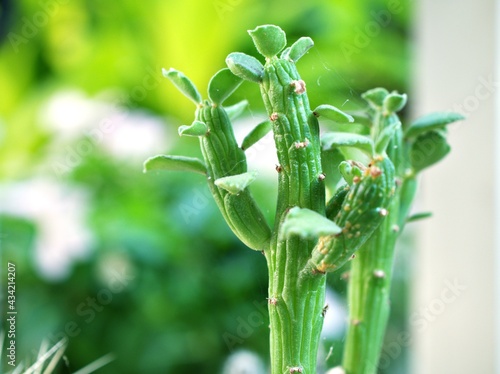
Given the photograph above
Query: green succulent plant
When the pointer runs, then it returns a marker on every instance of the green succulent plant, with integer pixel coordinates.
(371, 188)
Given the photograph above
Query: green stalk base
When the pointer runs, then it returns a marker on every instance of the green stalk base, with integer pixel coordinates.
(296, 303)
(368, 297)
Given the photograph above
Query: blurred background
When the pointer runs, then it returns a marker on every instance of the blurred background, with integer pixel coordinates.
(142, 266)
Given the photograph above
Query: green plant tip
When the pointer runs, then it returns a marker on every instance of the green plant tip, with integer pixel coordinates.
(333, 140)
(375, 97)
(299, 48)
(245, 66)
(333, 113)
(183, 84)
(234, 184)
(197, 128)
(394, 102)
(175, 163)
(268, 39)
(222, 85)
(430, 122)
(307, 224)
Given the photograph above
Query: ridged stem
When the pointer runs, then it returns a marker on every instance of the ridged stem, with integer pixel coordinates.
(296, 300)
(368, 297)
(295, 308)
(371, 271)
(224, 158)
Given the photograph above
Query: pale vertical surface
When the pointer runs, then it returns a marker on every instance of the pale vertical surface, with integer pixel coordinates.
(454, 66)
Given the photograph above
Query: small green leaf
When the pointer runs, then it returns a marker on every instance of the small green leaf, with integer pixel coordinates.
(300, 48)
(428, 149)
(285, 55)
(418, 216)
(430, 122)
(268, 39)
(349, 170)
(307, 224)
(261, 130)
(222, 85)
(234, 184)
(183, 83)
(385, 137)
(174, 163)
(332, 113)
(375, 97)
(394, 102)
(197, 128)
(361, 117)
(344, 139)
(234, 111)
(245, 66)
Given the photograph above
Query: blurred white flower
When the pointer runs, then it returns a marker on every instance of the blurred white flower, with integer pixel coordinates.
(244, 362)
(336, 370)
(81, 125)
(137, 136)
(59, 213)
(70, 113)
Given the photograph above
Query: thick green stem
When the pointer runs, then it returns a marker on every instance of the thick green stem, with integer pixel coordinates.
(223, 158)
(368, 297)
(371, 271)
(295, 308)
(296, 300)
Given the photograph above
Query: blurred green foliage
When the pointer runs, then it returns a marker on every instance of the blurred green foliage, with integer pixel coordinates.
(189, 280)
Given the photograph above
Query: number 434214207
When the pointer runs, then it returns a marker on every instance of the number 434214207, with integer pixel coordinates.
(11, 286)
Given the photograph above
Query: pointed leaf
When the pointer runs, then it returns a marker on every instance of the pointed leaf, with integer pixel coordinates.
(174, 163)
(430, 122)
(385, 137)
(361, 117)
(222, 85)
(268, 39)
(344, 139)
(307, 224)
(418, 216)
(285, 55)
(375, 97)
(261, 130)
(394, 102)
(428, 149)
(183, 83)
(197, 128)
(300, 48)
(234, 111)
(245, 66)
(234, 184)
(332, 113)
